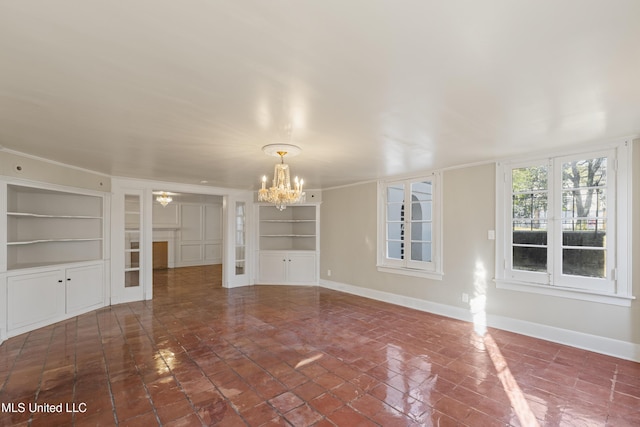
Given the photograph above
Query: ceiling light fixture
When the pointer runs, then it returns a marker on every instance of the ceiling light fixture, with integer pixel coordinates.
(280, 193)
(164, 199)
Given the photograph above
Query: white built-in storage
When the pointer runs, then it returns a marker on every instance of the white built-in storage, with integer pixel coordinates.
(46, 227)
(294, 228)
(288, 244)
(54, 250)
(43, 296)
(283, 267)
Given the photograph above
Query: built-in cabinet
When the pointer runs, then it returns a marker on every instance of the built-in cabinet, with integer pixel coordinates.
(34, 298)
(281, 267)
(46, 296)
(288, 244)
(83, 288)
(54, 255)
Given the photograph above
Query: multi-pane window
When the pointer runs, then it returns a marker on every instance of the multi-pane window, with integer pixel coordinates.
(560, 221)
(410, 228)
(584, 217)
(529, 222)
(395, 222)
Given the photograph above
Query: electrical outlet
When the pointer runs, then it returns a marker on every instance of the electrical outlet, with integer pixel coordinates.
(491, 234)
(328, 273)
(465, 297)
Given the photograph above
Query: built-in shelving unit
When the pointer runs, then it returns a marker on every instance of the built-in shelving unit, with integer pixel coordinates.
(54, 253)
(288, 243)
(294, 228)
(48, 227)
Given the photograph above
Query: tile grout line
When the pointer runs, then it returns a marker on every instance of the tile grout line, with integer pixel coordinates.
(75, 368)
(13, 365)
(178, 382)
(44, 362)
(106, 367)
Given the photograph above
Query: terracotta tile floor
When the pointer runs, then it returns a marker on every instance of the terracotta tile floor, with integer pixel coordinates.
(299, 356)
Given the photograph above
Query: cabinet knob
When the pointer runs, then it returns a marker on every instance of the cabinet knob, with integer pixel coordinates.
(60, 281)
(289, 260)
(68, 278)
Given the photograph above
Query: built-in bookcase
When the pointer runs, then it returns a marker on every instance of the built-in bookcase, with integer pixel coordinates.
(288, 242)
(294, 228)
(47, 227)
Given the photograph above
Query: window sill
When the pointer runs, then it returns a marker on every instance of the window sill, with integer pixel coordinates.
(411, 272)
(571, 293)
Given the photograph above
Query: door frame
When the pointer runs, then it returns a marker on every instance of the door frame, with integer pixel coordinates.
(119, 293)
(122, 186)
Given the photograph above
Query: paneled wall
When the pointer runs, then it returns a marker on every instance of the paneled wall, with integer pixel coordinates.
(200, 234)
(192, 226)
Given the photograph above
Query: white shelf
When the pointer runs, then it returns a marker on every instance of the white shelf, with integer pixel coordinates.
(294, 228)
(31, 242)
(34, 215)
(51, 227)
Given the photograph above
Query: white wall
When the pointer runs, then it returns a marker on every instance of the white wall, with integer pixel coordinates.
(40, 170)
(348, 249)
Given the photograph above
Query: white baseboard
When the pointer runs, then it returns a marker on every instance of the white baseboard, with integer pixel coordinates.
(611, 347)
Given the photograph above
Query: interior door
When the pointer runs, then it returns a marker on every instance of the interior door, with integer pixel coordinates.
(132, 283)
(241, 238)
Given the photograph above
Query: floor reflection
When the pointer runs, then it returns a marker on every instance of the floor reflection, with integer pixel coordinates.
(510, 385)
(199, 354)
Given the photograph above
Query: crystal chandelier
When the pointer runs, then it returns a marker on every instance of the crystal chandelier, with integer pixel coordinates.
(280, 193)
(164, 199)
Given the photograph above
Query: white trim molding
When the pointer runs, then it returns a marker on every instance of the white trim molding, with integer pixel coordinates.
(608, 346)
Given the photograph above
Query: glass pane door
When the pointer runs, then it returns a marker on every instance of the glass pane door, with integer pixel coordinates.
(240, 238)
(132, 240)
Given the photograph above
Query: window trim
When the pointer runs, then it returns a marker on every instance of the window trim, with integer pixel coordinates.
(620, 293)
(406, 267)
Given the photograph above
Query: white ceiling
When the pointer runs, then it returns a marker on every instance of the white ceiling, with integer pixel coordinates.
(191, 90)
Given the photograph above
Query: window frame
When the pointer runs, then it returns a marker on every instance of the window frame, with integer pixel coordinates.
(615, 288)
(406, 266)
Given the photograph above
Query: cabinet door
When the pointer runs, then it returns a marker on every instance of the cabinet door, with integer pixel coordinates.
(272, 267)
(84, 288)
(34, 299)
(301, 268)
